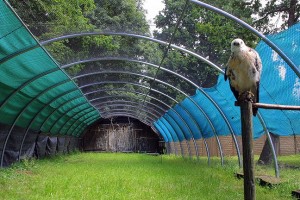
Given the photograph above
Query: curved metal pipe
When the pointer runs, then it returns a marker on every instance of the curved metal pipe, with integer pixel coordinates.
(127, 114)
(154, 119)
(181, 77)
(22, 111)
(195, 144)
(171, 86)
(81, 122)
(270, 143)
(135, 36)
(136, 105)
(50, 115)
(25, 84)
(134, 102)
(122, 113)
(122, 90)
(66, 114)
(75, 118)
(38, 113)
(82, 112)
(269, 43)
(253, 30)
(127, 105)
(140, 85)
(86, 123)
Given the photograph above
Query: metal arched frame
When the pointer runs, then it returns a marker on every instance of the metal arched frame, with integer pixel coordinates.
(137, 84)
(157, 117)
(27, 83)
(253, 30)
(148, 118)
(268, 42)
(81, 112)
(22, 111)
(135, 92)
(38, 113)
(195, 144)
(154, 116)
(134, 103)
(145, 121)
(128, 104)
(66, 114)
(146, 111)
(86, 123)
(126, 114)
(187, 111)
(171, 86)
(21, 52)
(82, 122)
(60, 106)
(214, 9)
(273, 46)
(176, 74)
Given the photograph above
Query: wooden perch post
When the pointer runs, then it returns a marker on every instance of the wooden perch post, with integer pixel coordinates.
(247, 141)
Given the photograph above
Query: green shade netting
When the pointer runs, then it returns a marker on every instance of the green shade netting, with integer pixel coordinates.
(35, 92)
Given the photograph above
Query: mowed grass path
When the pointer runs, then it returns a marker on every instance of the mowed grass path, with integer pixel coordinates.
(127, 176)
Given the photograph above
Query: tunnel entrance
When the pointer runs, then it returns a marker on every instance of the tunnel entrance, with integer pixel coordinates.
(120, 134)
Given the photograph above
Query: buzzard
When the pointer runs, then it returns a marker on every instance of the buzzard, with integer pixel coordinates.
(243, 71)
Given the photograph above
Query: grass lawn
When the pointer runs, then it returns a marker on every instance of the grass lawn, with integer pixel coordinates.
(134, 176)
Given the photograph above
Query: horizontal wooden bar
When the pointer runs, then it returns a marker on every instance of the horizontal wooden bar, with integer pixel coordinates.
(272, 106)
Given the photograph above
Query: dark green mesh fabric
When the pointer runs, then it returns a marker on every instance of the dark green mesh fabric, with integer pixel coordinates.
(35, 92)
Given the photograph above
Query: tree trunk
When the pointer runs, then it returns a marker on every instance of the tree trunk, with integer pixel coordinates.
(266, 156)
(292, 13)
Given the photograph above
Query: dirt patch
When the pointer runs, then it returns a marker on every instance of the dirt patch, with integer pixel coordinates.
(26, 172)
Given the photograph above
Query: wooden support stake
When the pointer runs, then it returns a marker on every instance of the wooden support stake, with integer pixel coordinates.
(247, 141)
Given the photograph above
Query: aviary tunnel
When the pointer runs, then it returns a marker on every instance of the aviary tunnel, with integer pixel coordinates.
(121, 88)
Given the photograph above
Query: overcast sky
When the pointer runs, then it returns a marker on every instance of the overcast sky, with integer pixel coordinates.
(152, 7)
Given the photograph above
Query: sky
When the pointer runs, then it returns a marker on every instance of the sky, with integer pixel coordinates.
(152, 7)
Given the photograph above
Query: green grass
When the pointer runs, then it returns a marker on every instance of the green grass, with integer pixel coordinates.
(133, 176)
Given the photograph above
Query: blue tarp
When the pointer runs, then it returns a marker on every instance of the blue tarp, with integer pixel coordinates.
(279, 85)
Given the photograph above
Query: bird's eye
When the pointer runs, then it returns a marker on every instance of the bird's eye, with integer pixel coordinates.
(236, 44)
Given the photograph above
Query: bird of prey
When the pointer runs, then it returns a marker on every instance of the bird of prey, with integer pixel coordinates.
(243, 71)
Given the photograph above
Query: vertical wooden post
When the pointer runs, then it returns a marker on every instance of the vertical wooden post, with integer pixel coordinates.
(247, 141)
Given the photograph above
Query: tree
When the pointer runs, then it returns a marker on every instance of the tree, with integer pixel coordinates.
(283, 12)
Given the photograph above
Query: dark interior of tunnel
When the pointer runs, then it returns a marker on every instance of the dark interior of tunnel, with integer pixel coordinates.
(121, 134)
